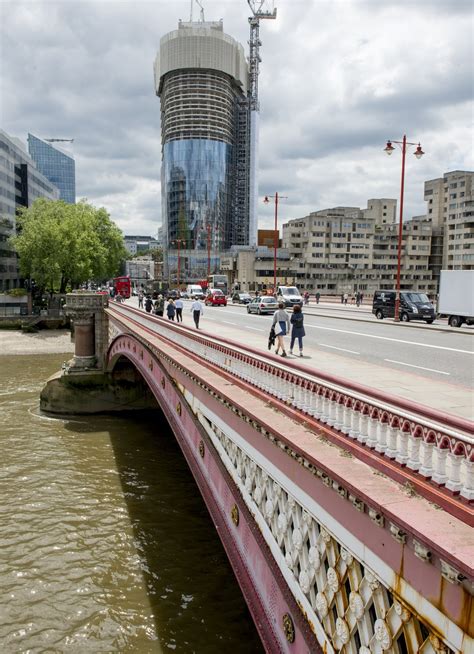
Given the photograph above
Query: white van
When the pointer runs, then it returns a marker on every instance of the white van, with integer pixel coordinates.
(290, 295)
(195, 291)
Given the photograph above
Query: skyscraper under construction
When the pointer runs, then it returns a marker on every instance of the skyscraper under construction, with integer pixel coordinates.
(202, 79)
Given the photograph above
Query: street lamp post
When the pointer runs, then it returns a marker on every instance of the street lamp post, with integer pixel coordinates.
(178, 242)
(208, 228)
(275, 198)
(418, 154)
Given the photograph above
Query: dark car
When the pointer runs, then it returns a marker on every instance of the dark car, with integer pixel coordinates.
(413, 306)
(241, 298)
(173, 295)
(265, 304)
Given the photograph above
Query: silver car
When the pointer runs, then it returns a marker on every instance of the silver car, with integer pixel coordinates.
(265, 304)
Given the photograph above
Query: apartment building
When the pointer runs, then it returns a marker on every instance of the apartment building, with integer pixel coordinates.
(450, 207)
(348, 249)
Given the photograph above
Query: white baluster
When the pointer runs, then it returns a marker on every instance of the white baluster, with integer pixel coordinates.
(392, 442)
(402, 455)
(346, 419)
(382, 432)
(454, 478)
(339, 414)
(414, 443)
(355, 421)
(427, 459)
(363, 427)
(467, 490)
(439, 474)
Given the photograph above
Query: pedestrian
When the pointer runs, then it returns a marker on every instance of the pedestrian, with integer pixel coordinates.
(361, 298)
(281, 323)
(297, 331)
(342, 298)
(358, 299)
(159, 307)
(306, 297)
(170, 309)
(118, 297)
(179, 309)
(140, 299)
(345, 296)
(148, 304)
(197, 311)
(317, 296)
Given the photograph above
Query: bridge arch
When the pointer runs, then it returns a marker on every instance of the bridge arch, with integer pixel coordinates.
(280, 623)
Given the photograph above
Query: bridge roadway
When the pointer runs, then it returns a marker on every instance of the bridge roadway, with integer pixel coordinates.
(345, 513)
(430, 366)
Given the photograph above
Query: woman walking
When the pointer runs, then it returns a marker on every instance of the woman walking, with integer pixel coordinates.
(170, 309)
(281, 323)
(297, 331)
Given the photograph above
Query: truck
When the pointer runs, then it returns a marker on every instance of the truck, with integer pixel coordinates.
(456, 296)
(195, 291)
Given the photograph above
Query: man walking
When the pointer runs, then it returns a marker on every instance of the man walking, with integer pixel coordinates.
(197, 311)
(178, 305)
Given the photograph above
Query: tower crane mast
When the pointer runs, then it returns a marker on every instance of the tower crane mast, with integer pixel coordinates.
(258, 14)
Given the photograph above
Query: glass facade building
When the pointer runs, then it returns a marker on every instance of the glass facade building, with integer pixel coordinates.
(201, 77)
(20, 185)
(57, 166)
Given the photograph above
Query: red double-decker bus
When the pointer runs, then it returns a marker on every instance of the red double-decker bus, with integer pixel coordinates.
(122, 285)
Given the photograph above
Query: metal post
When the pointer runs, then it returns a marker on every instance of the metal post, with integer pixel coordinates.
(275, 243)
(208, 226)
(400, 233)
(179, 261)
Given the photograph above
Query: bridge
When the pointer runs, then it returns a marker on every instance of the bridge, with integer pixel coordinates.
(346, 514)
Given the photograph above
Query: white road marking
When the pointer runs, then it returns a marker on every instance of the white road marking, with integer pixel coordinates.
(229, 323)
(257, 329)
(402, 363)
(386, 338)
(338, 348)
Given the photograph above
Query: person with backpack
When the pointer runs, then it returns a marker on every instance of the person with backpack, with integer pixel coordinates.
(170, 309)
(297, 331)
(159, 308)
(148, 304)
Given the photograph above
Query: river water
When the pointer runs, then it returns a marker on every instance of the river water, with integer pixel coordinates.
(105, 542)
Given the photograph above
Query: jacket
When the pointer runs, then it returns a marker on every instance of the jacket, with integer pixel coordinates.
(280, 315)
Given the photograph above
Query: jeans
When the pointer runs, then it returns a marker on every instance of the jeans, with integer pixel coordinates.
(300, 341)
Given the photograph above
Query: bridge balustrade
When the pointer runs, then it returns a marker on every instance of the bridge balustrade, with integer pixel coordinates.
(437, 446)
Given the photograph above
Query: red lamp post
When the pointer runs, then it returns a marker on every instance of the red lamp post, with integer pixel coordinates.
(275, 198)
(178, 242)
(418, 154)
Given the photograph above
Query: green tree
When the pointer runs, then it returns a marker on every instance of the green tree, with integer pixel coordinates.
(61, 244)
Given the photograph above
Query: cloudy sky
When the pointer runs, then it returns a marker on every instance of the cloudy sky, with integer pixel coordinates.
(337, 79)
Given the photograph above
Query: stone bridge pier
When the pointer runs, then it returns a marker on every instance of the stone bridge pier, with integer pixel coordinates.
(83, 386)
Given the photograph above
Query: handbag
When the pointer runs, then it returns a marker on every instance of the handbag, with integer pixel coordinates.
(277, 328)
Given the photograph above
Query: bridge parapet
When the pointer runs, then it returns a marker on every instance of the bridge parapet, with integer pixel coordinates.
(412, 442)
(372, 565)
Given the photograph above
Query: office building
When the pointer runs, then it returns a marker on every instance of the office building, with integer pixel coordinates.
(20, 185)
(450, 207)
(201, 77)
(56, 165)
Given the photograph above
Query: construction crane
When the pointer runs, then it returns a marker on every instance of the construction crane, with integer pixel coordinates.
(258, 14)
(59, 140)
(201, 12)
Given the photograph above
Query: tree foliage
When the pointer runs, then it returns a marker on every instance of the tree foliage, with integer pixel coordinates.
(62, 244)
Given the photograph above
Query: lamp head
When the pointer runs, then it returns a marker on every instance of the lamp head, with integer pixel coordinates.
(389, 148)
(266, 199)
(419, 152)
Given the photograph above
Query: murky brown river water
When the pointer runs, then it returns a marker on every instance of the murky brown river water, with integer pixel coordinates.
(105, 542)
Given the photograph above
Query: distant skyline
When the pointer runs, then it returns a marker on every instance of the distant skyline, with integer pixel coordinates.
(337, 79)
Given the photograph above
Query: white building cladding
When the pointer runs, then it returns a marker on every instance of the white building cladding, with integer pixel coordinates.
(201, 77)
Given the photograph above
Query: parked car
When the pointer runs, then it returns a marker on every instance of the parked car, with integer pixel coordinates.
(184, 295)
(265, 304)
(173, 295)
(241, 298)
(413, 306)
(215, 298)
